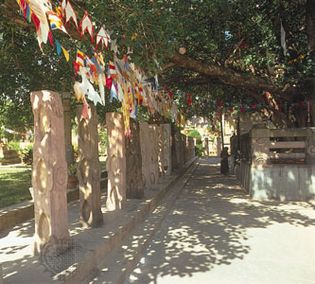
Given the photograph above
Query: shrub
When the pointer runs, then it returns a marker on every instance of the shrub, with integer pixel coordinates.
(14, 145)
(198, 148)
(27, 155)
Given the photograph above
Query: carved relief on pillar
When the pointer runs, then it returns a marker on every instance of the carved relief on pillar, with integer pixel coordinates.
(89, 169)
(134, 179)
(116, 162)
(260, 150)
(49, 175)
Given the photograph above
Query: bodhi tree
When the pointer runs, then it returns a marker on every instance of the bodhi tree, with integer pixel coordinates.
(261, 51)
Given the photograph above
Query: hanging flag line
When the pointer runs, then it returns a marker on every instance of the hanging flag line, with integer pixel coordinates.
(123, 79)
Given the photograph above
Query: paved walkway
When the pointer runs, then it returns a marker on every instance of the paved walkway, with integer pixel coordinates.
(215, 234)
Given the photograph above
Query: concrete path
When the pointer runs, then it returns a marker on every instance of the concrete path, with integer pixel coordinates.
(215, 234)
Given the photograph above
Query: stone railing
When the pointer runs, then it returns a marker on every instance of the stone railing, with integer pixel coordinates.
(278, 163)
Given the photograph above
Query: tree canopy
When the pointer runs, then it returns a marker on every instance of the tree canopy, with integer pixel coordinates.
(228, 49)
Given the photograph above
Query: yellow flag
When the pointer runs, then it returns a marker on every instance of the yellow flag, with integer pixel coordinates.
(65, 53)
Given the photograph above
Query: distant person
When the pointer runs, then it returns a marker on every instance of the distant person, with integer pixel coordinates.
(225, 161)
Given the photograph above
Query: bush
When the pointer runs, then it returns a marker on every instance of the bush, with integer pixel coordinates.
(27, 155)
(195, 134)
(103, 141)
(198, 148)
(14, 145)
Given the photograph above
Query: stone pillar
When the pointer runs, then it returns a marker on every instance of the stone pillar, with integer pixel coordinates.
(49, 175)
(1, 276)
(149, 152)
(167, 159)
(160, 141)
(310, 146)
(187, 152)
(191, 148)
(154, 175)
(260, 143)
(175, 164)
(66, 102)
(207, 146)
(179, 148)
(116, 161)
(88, 169)
(134, 180)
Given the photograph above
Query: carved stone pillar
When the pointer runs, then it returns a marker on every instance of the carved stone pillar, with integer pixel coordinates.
(149, 152)
(135, 186)
(116, 162)
(191, 148)
(89, 173)
(310, 146)
(49, 175)
(207, 146)
(260, 143)
(179, 148)
(186, 150)
(160, 143)
(154, 175)
(167, 158)
(66, 102)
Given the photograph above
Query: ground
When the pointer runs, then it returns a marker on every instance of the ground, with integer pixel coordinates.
(216, 234)
(209, 231)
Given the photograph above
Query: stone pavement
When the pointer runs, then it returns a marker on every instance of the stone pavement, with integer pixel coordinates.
(89, 246)
(215, 234)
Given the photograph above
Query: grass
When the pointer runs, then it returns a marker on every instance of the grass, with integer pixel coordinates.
(14, 185)
(15, 182)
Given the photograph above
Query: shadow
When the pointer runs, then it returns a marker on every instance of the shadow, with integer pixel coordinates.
(209, 226)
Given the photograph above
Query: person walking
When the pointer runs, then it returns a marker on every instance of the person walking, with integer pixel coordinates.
(225, 161)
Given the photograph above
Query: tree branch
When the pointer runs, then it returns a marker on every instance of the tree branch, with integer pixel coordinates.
(227, 76)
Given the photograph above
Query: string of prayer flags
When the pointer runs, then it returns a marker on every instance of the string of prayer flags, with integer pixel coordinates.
(63, 4)
(39, 9)
(114, 47)
(66, 54)
(102, 37)
(80, 58)
(189, 99)
(87, 25)
(58, 47)
(70, 14)
(55, 22)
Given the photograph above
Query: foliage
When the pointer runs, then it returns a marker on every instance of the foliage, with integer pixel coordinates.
(194, 133)
(27, 155)
(103, 141)
(242, 35)
(14, 145)
(72, 169)
(198, 148)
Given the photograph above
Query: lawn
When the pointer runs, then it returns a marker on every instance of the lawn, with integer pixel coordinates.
(14, 185)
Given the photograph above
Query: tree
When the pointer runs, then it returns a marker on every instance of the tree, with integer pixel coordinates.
(233, 47)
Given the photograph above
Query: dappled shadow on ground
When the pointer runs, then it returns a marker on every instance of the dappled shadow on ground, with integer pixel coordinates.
(209, 227)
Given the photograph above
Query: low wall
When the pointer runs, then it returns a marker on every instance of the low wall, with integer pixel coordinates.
(278, 164)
